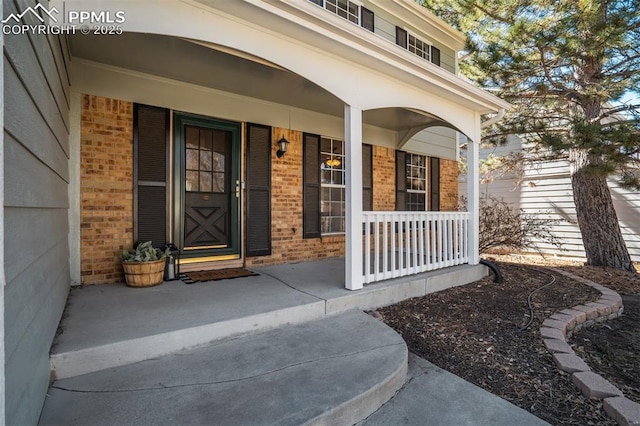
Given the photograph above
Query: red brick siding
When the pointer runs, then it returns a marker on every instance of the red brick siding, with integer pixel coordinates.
(384, 179)
(448, 185)
(106, 187)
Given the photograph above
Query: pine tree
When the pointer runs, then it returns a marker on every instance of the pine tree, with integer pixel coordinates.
(564, 65)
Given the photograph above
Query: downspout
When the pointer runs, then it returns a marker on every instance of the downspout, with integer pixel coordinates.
(494, 119)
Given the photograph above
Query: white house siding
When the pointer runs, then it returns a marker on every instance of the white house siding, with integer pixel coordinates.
(36, 93)
(545, 190)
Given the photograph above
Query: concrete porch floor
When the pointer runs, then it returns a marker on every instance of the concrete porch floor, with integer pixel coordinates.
(106, 326)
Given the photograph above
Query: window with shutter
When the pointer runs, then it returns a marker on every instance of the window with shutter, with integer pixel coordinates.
(150, 147)
(417, 46)
(324, 203)
(412, 182)
(311, 186)
(258, 190)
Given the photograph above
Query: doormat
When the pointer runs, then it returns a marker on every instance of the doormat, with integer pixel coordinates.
(220, 274)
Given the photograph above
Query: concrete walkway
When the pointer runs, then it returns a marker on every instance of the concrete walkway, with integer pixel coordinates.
(332, 371)
(335, 371)
(435, 397)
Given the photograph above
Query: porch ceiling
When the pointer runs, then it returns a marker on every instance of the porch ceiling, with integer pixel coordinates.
(223, 69)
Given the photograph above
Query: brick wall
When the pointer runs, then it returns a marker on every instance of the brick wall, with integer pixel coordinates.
(448, 185)
(106, 187)
(384, 179)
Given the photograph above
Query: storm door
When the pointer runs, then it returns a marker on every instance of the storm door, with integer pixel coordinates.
(208, 190)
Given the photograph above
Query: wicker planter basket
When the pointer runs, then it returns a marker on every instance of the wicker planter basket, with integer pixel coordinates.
(144, 274)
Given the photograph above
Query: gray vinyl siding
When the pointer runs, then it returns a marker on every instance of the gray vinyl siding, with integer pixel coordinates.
(385, 26)
(435, 142)
(36, 249)
(545, 190)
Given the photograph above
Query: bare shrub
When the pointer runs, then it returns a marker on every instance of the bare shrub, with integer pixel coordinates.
(503, 226)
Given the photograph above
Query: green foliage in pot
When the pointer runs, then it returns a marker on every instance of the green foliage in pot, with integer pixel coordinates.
(144, 252)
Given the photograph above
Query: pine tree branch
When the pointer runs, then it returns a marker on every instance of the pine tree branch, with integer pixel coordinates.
(490, 14)
(623, 63)
(614, 111)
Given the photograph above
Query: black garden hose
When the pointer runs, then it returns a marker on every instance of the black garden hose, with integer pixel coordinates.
(496, 271)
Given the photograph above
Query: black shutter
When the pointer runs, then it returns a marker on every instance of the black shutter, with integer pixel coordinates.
(367, 19)
(258, 190)
(367, 177)
(434, 186)
(435, 55)
(401, 181)
(311, 186)
(401, 37)
(150, 153)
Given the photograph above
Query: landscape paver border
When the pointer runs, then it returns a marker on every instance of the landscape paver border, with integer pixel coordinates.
(563, 324)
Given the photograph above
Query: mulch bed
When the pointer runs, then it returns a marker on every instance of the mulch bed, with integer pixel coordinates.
(474, 332)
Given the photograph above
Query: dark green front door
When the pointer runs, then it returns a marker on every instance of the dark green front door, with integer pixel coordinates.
(207, 188)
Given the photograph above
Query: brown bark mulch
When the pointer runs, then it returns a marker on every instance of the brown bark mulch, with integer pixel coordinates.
(478, 332)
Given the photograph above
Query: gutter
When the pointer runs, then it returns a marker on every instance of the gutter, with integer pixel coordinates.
(494, 119)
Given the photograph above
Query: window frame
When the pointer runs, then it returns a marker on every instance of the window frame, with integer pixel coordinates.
(324, 157)
(424, 178)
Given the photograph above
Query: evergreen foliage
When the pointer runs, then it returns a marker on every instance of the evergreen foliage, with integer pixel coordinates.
(565, 66)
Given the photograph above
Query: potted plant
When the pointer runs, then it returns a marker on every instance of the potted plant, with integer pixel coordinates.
(144, 266)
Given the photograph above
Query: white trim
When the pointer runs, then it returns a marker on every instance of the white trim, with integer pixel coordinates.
(473, 194)
(353, 207)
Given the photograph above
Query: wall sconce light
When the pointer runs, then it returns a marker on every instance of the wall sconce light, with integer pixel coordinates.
(283, 144)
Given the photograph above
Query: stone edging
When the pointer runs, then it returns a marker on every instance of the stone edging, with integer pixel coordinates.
(563, 324)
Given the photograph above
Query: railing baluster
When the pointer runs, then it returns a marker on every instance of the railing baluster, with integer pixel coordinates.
(376, 249)
(419, 243)
(385, 243)
(367, 248)
(407, 243)
(400, 245)
(394, 237)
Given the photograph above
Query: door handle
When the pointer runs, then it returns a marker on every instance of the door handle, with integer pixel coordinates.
(237, 189)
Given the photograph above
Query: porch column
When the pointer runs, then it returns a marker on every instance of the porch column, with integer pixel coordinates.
(353, 207)
(473, 193)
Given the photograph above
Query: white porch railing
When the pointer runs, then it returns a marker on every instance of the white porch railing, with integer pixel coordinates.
(403, 243)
